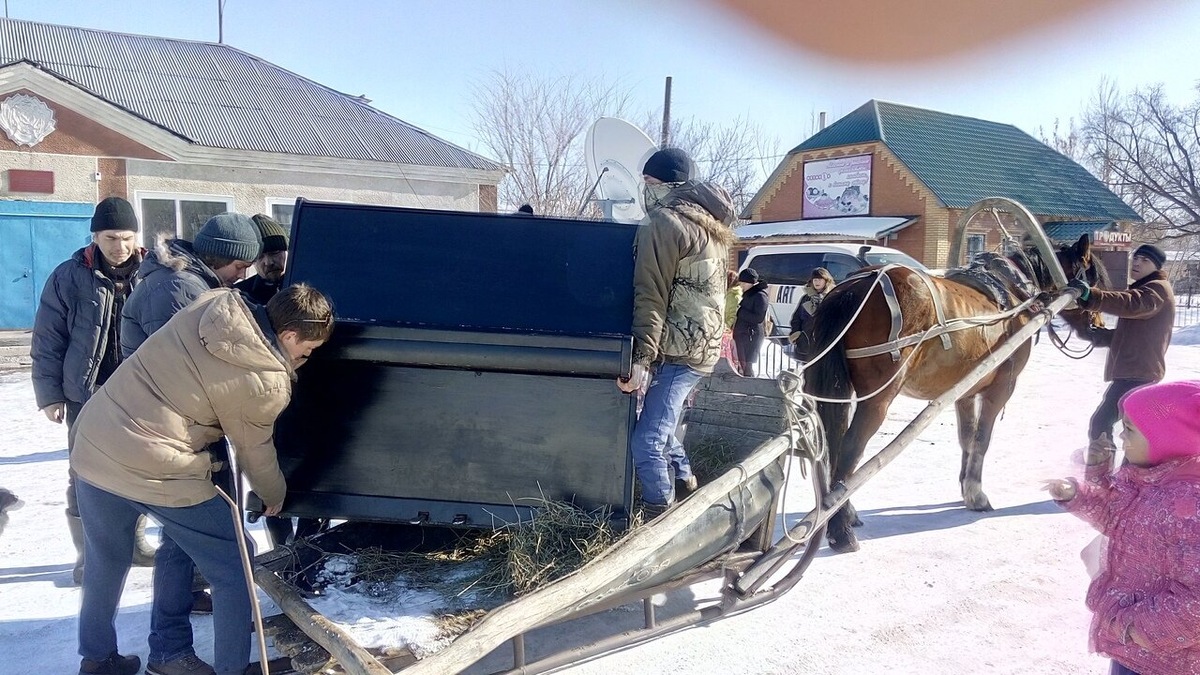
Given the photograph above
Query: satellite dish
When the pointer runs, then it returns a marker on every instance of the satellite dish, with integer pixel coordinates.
(615, 152)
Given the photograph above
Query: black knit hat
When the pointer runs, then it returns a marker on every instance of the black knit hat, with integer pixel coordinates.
(670, 165)
(748, 275)
(228, 235)
(274, 237)
(114, 213)
(1154, 253)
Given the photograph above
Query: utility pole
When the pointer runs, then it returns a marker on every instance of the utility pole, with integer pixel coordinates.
(666, 127)
(220, 20)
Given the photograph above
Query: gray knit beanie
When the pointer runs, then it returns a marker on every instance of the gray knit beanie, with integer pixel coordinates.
(229, 235)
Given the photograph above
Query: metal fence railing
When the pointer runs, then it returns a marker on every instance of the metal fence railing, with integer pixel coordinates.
(1187, 310)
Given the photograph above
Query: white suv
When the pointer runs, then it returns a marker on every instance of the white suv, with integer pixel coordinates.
(788, 267)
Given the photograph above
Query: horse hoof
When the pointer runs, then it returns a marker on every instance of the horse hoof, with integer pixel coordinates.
(981, 504)
(847, 545)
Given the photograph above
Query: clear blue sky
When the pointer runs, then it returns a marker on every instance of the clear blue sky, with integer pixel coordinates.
(418, 59)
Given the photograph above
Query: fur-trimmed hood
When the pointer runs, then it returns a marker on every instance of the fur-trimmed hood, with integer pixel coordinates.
(706, 204)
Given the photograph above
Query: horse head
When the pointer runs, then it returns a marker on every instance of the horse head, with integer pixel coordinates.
(1078, 262)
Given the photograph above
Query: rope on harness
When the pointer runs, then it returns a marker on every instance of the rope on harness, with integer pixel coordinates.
(907, 341)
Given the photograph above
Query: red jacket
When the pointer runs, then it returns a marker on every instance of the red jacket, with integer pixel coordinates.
(1150, 579)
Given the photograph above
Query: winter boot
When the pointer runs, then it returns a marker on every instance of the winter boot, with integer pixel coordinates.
(143, 552)
(75, 526)
(115, 664)
(185, 665)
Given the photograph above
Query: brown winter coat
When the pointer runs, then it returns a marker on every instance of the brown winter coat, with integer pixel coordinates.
(679, 278)
(209, 372)
(1137, 347)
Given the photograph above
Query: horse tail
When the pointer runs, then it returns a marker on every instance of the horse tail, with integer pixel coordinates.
(829, 376)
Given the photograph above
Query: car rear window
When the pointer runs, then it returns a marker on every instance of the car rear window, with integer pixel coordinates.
(786, 268)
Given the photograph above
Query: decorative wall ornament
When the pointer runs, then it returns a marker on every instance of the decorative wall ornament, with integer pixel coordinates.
(26, 119)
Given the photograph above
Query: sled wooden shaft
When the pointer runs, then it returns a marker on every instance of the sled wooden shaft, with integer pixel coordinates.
(840, 494)
(572, 593)
(352, 657)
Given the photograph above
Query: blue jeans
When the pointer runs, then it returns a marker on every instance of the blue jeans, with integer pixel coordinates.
(175, 579)
(205, 533)
(654, 447)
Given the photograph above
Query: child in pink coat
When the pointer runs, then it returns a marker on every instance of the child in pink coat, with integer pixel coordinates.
(1145, 600)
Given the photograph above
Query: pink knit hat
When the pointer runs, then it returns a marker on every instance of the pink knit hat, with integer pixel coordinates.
(1168, 415)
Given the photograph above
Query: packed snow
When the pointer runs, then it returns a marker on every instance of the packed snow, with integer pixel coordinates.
(935, 588)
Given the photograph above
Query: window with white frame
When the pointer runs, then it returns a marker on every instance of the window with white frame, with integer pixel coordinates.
(281, 211)
(177, 215)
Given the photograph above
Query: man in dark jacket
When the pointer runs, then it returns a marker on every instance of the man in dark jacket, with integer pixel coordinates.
(176, 272)
(678, 314)
(271, 264)
(749, 329)
(1137, 347)
(174, 275)
(76, 342)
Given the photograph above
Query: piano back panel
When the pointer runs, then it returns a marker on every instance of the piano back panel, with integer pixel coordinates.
(472, 369)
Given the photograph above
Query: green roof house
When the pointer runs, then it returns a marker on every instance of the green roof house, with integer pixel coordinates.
(886, 161)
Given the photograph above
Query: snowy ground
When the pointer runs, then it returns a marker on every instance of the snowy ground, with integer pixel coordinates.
(935, 589)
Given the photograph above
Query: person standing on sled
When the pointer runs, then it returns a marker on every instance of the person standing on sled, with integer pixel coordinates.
(680, 260)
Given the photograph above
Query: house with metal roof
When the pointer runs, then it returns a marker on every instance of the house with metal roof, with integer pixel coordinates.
(183, 130)
(913, 172)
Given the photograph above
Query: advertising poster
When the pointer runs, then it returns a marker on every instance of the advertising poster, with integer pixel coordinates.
(837, 187)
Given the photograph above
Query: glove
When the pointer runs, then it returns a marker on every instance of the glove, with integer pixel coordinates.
(1082, 286)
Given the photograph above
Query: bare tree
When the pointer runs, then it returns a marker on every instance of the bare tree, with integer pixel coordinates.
(1067, 142)
(536, 126)
(1147, 150)
(738, 156)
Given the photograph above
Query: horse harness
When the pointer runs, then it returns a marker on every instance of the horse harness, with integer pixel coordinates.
(993, 275)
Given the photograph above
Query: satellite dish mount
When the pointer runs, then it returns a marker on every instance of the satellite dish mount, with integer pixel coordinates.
(615, 152)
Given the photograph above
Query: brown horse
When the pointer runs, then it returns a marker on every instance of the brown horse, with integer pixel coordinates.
(872, 354)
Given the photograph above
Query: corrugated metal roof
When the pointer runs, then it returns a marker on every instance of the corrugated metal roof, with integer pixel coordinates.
(1066, 231)
(963, 159)
(218, 96)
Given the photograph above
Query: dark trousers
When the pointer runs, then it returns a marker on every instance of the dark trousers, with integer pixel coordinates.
(176, 580)
(1108, 412)
(1118, 669)
(204, 533)
(69, 416)
(280, 529)
(748, 344)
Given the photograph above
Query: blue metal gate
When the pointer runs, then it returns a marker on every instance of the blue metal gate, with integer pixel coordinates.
(34, 238)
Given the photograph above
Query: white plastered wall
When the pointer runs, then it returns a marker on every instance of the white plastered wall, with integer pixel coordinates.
(74, 176)
(252, 188)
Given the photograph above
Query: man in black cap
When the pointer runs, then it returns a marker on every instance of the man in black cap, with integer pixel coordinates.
(271, 264)
(680, 258)
(1137, 347)
(76, 342)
